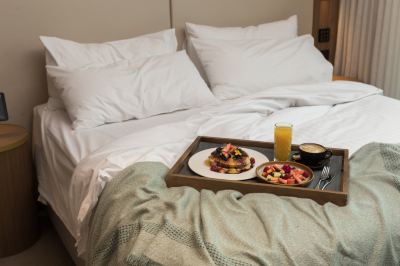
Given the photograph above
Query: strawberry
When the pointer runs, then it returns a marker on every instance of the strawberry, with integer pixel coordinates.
(297, 179)
(228, 147)
(283, 181)
(298, 171)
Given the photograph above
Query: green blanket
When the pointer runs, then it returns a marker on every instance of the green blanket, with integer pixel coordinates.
(139, 221)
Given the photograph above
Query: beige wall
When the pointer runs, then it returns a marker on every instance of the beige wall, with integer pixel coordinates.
(240, 13)
(22, 72)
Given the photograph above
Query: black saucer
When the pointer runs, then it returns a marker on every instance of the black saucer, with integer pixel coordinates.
(296, 158)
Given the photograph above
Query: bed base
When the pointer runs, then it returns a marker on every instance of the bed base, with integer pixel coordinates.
(65, 236)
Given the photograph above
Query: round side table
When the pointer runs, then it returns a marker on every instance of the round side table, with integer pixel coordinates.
(18, 210)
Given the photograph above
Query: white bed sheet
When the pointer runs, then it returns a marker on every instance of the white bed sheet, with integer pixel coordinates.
(58, 149)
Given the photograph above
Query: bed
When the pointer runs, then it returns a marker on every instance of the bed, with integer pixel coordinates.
(140, 145)
(129, 159)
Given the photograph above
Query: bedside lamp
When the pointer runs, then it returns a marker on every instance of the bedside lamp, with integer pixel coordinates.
(3, 108)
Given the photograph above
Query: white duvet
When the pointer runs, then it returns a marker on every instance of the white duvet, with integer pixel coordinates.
(339, 114)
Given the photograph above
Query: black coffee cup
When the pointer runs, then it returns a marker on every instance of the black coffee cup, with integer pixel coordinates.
(314, 153)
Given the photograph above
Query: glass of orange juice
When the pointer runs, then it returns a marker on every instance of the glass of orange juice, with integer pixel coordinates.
(283, 141)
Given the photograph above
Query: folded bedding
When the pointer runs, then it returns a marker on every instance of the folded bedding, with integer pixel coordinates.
(139, 221)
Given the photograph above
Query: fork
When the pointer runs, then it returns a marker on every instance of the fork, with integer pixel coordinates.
(329, 181)
(324, 176)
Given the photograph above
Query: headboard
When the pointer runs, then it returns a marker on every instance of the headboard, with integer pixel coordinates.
(22, 71)
(239, 13)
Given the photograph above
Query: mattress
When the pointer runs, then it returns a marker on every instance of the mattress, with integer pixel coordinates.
(58, 149)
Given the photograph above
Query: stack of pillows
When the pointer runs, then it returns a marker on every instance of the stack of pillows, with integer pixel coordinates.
(146, 76)
(122, 80)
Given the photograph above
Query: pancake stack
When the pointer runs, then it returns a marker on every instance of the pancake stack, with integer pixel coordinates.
(230, 159)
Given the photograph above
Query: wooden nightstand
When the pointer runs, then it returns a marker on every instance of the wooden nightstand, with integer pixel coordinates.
(18, 213)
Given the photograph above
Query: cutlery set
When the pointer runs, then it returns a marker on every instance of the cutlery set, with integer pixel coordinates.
(325, 179)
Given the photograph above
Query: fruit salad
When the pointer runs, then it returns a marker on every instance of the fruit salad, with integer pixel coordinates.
(285, 174)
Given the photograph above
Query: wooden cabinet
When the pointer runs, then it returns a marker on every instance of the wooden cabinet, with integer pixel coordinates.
(18, 213)
(325, 26)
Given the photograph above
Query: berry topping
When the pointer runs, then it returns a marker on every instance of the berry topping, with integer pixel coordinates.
(286, 168)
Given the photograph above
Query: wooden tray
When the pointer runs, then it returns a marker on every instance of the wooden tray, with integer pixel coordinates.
(337, 192)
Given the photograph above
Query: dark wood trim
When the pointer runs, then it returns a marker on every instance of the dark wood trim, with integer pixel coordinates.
(344, 78)
(333, 20)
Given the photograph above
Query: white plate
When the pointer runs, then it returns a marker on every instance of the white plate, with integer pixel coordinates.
(198, 165)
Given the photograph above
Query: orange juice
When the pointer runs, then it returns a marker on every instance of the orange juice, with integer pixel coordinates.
(283, 141)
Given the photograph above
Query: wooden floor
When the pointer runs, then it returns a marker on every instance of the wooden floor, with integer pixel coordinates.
(47, 251)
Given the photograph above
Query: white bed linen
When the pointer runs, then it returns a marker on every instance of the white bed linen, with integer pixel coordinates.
(340, 114)
(58, 149)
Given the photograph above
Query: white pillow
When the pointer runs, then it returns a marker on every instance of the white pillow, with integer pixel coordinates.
(282, 29)
(237, 68)
(130, 89)
(73, 55)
